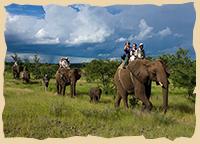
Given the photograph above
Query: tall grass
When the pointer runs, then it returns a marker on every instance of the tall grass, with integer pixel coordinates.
(31, 112)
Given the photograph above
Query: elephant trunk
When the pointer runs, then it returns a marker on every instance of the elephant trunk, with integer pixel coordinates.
(165, 98)
(164, 84)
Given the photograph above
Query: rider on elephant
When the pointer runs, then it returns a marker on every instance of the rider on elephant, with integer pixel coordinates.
(133, 52)
(126, 54)
(64, 62)
(140, 52)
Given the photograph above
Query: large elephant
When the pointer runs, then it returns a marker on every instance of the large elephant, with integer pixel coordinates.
(65, 77)
(136, 79)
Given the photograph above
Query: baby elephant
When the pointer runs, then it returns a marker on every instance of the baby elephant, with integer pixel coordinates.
(95, 94)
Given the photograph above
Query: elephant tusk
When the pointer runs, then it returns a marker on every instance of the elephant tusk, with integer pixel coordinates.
(160, 84)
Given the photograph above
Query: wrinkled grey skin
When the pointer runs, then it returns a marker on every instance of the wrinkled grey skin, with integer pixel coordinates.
(136, 79)
(65, 77)
(95, 94)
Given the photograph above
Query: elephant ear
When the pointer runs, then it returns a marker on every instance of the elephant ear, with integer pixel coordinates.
(165, 67)
(139, 70)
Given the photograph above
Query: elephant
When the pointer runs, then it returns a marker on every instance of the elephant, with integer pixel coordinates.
(136, 79)
(16, 69)
(26, 75)
(65, 77)
(95, 94)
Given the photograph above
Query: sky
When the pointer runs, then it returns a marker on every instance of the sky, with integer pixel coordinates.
(84, 32)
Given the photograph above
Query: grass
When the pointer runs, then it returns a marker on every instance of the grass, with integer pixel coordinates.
(31, 112)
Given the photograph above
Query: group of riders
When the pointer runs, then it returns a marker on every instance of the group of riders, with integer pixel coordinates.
(130, 54)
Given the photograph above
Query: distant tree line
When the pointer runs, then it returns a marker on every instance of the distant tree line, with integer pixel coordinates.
(37, 69)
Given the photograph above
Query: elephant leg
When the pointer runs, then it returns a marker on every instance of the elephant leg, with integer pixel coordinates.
(72, 89)
(75, 89)
(64, 88)
(57, 86)
(60, 89)
(148, 94)
(91, 99)
(141, 94)
(95, 99)
(125, 100)
(146, 103)
(124, 96)
(118, 99)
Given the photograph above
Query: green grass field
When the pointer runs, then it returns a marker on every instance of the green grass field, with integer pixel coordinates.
(31, 112)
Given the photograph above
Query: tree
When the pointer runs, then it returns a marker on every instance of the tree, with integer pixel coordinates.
(36, 67)
(102, 71)
(16, 58)
(27, 63)
(48, 69)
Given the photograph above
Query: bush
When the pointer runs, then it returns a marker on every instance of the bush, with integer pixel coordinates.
(102, 71)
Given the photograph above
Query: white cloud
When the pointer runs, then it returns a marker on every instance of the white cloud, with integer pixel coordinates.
(165, 32)
(114, 59)
(89, 29)
(62, 24)
(22, 27)
(178, 35)
(121, 39)
(42, 37)
(41, 33)
(103, 55)
(12, 18)
(145, 31)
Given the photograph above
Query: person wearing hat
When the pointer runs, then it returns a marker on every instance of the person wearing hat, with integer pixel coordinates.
(140, 51)
(126, 55)
(133, 52)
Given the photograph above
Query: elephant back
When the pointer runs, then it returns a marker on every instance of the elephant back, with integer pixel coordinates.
(138, 69)
(62, 74)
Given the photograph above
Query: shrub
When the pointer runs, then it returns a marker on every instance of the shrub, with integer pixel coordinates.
(102, 71)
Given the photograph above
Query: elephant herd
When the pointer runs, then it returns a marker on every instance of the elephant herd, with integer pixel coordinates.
(135, 79)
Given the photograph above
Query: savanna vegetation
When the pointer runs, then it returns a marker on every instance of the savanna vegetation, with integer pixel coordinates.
(31, 112)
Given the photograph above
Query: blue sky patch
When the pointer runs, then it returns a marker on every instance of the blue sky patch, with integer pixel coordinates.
(29, 10)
